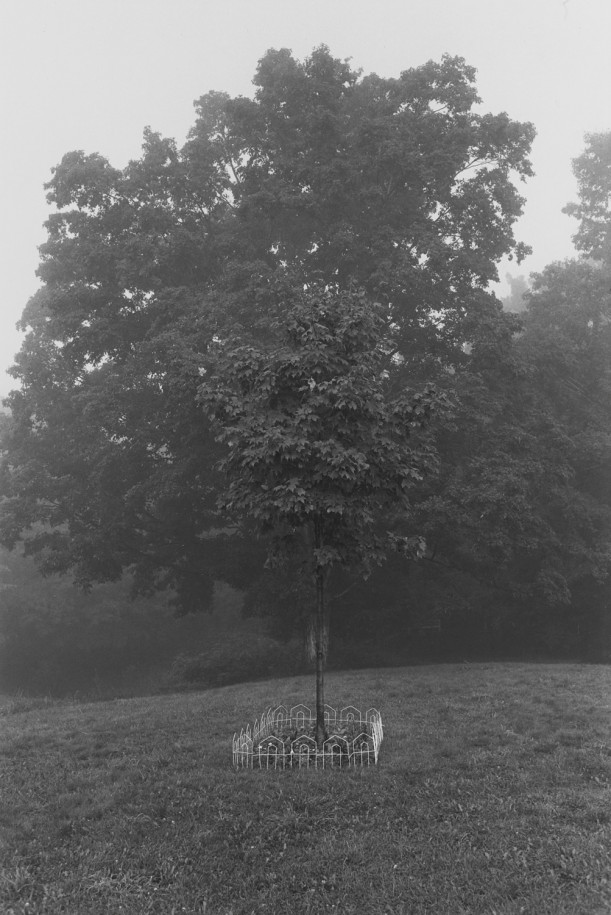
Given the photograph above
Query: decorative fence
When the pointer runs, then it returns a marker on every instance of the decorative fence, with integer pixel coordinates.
(284, 739)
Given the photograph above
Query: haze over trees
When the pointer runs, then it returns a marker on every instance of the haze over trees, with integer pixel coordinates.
(518, 287)
(400, 195)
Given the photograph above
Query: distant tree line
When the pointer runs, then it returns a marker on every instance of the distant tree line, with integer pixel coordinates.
(399, 196)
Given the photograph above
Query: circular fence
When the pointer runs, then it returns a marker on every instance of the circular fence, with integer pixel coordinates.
(284, 738)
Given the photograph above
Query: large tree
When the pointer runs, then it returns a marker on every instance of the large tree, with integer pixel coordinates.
(400, 185)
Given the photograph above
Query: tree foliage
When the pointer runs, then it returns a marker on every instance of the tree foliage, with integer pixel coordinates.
(317, 451)
(257, 251)
(313, 439)
(400, 186)
(523, 499)
(593, 172)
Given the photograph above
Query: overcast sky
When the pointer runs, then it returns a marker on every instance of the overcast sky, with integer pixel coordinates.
(91, 74)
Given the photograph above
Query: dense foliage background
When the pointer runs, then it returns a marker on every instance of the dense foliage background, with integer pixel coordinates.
(402, 191)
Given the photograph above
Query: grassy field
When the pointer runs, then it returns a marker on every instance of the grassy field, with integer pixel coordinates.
(493, 795)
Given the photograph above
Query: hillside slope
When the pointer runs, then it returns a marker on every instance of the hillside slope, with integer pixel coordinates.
(493, 794)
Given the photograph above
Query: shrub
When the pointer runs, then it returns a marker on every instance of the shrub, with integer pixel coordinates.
(235, 659)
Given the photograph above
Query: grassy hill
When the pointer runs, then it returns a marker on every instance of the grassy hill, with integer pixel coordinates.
(493, 795)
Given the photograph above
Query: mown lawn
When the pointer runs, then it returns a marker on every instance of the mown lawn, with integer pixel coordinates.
(493, 795)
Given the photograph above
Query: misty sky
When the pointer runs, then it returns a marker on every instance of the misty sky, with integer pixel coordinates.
(85, 74)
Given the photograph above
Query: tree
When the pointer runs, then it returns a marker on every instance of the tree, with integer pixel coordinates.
(398, 185)
(568, 344)
(522, 500)
(521, 503)
(317, 450)
(518, 288)
(593, 172)
(103, 465)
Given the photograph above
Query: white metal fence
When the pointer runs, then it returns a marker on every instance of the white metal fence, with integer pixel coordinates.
(284, 738)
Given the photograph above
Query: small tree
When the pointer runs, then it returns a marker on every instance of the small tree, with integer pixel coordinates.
(319, 454)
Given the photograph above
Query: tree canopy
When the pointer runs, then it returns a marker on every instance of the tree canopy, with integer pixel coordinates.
(593, 172)
(397, 185)
(274, 302)
(319, 455)
(315, 443)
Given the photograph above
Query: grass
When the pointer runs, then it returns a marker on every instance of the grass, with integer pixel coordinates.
(493, 795)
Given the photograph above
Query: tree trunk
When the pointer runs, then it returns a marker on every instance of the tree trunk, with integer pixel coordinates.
(319, 632)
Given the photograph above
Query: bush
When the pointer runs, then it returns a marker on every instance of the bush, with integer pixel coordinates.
(235, 658)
